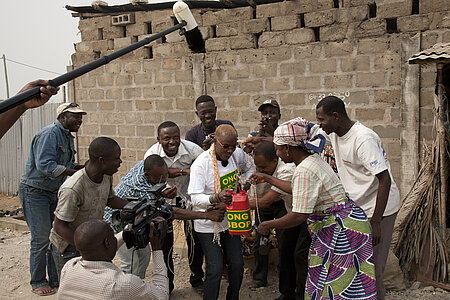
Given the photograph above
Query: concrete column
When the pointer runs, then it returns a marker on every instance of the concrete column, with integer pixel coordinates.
(198, 74)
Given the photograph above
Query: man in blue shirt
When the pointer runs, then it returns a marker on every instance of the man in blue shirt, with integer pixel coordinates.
(52, 158)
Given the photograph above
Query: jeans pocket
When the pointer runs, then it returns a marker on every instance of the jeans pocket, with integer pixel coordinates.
(29, 190)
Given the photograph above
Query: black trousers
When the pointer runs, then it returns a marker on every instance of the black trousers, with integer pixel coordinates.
(195, 254)
(167, 248)
(261, 262)
(294, 246)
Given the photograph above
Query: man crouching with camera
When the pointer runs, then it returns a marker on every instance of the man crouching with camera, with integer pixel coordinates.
(94, 276)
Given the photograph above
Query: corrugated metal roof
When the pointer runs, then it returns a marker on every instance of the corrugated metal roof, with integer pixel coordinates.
(98, 9)
(438, 53)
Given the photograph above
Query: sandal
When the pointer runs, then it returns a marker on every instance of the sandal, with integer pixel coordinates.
(44, 291)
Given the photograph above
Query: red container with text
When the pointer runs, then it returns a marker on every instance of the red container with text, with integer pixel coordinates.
(238, 214)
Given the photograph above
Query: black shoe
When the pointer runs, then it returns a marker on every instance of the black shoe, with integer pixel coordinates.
(256, 284)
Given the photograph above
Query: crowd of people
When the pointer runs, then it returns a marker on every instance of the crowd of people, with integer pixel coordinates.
(333, 219)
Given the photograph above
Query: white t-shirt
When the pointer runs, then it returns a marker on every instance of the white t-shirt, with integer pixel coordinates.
(201, 184)
(359, 157)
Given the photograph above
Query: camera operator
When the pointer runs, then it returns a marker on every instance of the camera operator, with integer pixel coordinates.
(94, 276)
(138, 183)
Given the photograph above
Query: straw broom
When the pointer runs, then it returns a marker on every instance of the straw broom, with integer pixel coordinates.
(421, 242)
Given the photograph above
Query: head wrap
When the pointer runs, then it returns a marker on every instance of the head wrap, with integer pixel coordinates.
(299, 132)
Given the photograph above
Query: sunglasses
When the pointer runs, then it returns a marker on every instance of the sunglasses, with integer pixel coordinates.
(73, 104)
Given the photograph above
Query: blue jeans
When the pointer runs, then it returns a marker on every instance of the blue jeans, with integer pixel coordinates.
(231, 245)
(61, 258)
(38, 208)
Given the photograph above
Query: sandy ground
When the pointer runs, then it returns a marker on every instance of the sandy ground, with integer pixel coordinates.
(14, 271)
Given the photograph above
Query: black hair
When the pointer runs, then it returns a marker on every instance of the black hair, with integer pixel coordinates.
(152, 161)
(101, 147)
(167, 124)
(331, 104)
(203, 99)
(267, 150)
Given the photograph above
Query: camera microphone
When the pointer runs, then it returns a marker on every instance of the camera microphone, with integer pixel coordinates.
(192, 32)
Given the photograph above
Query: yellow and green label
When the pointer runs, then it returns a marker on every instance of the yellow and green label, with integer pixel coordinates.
(228, 181)
(239, 220)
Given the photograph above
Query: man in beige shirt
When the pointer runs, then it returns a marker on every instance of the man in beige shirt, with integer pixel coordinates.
(94, 276)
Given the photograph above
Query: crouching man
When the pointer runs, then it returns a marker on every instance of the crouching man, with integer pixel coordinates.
(94, 276)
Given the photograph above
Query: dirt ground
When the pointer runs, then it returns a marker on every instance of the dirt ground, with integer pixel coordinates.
(14, 271)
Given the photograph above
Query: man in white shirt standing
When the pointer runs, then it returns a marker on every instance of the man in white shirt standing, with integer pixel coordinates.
(179, 154)
(365, 173)
(213, 174)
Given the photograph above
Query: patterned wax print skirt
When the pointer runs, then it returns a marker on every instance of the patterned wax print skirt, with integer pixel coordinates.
(341, 264)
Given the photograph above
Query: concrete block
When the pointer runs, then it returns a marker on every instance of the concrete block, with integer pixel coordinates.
(325, 4)
(278, 54)
(163, 77)
(105, 105)
(144, 105)
(171, 64)
(306, 83)
(392, 132)
(369, 28)
(251, 56)
(227, 29)
(124, 80)
(333, 49)
(175, 37)
(239, 101)
(185, 104)
(394, 9)
(388, 96)
(265, 70)
(183, 76)
(277, 84)
(394, 78)
(350, 3)
(300, 36)
(292, 68)
(132, 67)
(152, 91)
(122, 42)
(231, 15)
(285, 22)
(105, 80)
(108, 130)
(296, 99)
(243, 41)
(369, 114)
(164, 104)
(357, 98)
(433, 5)
(217, 44)
(172, 91)
(359, 63)
(188, 91)
(132, 93)
(114, 94)
(384, 62)
(144, 78)
(255, 25)
(377, 79)
(278, 9)
(250, 86)
(207, 32)
(352, 14)
(229, 87)
(313, 50)
(338, 81)
(321, 18)
(413, 23)
(238, 72)
(96, 94)
(336, 32)
(322, 66)
(124, 106)
(373, 45)
(271, 39)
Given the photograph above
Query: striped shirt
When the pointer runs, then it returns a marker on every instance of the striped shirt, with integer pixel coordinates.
(98, 280)
(315, 186)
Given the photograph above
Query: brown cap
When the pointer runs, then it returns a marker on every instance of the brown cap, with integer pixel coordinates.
(270, 102)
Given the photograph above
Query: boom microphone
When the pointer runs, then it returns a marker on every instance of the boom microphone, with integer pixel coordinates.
(191, 32)
(185, 19)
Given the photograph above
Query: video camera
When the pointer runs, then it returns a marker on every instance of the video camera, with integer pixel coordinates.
(136, 230)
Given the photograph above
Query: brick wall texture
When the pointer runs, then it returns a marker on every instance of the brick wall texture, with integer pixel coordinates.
(296, 52)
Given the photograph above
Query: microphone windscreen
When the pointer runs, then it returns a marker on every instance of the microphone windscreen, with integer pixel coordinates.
(195, 40)
(192, 33)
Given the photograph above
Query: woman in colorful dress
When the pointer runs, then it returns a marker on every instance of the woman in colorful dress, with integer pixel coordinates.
(341, 264)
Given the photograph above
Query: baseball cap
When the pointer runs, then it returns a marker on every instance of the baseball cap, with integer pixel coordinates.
(270, 102)
(70, 107)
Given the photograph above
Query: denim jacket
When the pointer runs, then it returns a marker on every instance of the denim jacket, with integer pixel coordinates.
(52, 152)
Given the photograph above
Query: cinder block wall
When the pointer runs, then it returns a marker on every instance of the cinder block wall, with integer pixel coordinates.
(296, 52)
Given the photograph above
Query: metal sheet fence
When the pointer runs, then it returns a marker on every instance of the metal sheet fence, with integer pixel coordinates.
(15, 145)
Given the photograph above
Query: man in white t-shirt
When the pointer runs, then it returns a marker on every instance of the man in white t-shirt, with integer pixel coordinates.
(213, 174)
(365, 173)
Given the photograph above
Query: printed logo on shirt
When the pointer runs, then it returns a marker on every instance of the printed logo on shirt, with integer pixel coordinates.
(374, 163)
(228, 181)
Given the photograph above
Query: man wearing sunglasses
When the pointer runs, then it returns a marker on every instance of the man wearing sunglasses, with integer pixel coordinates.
(52, 158)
